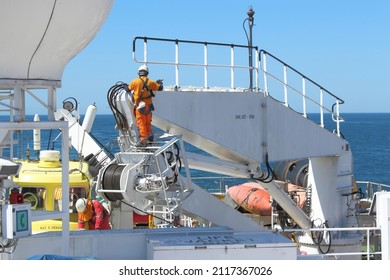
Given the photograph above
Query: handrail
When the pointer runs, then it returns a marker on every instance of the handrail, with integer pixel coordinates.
(372, 187)
(205, 63)
(367, 231)
(335, 107)
(299, 73)
(260, 63)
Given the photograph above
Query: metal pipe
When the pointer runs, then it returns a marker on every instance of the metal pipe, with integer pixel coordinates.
(251, 21)
(285, 85)
(232, 67)
(177, 62)
(205, 61)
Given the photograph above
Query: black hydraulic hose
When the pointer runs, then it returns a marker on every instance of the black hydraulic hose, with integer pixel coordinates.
(270, 175)
(111, 95)
(330, 241)
(319, 237)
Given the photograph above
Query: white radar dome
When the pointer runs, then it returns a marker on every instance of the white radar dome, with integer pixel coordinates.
(39, 37)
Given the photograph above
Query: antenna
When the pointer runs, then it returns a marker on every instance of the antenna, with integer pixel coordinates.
(251, 21)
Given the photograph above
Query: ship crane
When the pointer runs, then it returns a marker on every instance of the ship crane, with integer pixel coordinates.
(156, 179)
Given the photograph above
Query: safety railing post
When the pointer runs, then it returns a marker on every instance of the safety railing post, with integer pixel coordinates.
(322, 107)
(257, 68)
(265, 73)
(304, 96)
(337, 117)
(285, 85)
(146, 51)
(368, 243)
(177, 63)
(232, 67)
(205, 62)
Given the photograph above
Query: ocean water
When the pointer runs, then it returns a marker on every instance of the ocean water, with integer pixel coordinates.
(369, 138)
(367, 133)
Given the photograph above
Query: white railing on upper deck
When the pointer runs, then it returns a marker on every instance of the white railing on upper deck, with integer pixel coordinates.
(206, 65)
(299, 87)
(370, 188)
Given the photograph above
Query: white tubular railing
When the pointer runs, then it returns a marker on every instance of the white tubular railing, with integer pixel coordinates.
(372, 187)
(205, 65)
(304, 92)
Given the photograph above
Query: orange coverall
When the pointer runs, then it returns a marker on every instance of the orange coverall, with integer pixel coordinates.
(144, 116)
(99, 218)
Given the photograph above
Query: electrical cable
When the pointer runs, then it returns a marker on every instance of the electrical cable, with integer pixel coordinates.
(243, 26)
(111, 181)
(270, 174)
(318, 237)
(11, 243)
(174, 158)
(329, 243)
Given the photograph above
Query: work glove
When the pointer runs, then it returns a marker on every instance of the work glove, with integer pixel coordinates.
(160, 83)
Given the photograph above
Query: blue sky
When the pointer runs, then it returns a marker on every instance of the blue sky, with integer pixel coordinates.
(342, 45)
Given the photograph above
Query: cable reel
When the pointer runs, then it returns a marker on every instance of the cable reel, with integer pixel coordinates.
(115, 183)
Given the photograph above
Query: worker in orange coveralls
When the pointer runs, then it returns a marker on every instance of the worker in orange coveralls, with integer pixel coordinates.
(143, 88)
(93, 213)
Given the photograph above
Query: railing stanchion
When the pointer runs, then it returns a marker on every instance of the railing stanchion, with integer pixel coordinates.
(337, 117)
(232, 66)
(304, 96)
(322, 107)
(205, 62)
(177, 63)
(257, 68)
(368, 244)
(146, 51)
(265, 73)
(285, 85)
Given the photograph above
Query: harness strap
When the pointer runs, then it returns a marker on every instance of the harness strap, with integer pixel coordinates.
(151, 94)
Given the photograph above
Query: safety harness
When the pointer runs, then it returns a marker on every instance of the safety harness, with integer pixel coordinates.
(145, 86)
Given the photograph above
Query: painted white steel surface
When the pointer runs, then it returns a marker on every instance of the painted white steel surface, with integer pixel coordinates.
(265, 246)
(39, 37)
(201, 204)
(133, 244)
(80, 139)
(243, 126)
(383, 220)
